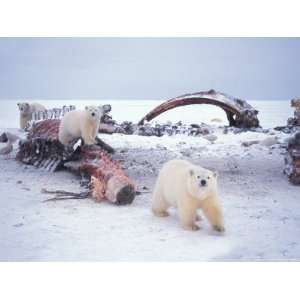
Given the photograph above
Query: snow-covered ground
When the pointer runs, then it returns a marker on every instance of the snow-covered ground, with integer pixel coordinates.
(262, 209)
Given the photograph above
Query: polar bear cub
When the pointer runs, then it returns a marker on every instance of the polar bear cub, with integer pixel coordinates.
(26, 111)
(188, 187)
(80, 123)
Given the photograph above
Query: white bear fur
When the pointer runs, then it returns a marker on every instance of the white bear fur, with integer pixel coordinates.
(179, 185)
(26, 110)
(80, 124)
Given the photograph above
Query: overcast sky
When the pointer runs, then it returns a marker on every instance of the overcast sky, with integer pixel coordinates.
(148, 68)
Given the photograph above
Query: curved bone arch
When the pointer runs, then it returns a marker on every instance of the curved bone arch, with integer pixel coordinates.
(239, 112)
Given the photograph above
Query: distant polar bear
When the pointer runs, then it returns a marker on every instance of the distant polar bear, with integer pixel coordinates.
(188, 187)
(26, 111)
(80, 123)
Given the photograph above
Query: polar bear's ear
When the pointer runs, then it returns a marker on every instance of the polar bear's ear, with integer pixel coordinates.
(191, 172)
(215, 173)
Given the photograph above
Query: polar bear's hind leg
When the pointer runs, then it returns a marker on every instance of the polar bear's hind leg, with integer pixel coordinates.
(159, 204)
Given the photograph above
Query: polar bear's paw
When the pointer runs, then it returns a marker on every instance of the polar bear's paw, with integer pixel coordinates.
(219, 228)
(198, 218)
(161, 214)
(193, 227)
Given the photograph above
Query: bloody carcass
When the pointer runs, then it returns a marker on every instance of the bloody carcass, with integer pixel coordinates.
(43, 150)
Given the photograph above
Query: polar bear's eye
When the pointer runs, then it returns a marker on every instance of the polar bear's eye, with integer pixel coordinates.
(208, 177)
(198, 177)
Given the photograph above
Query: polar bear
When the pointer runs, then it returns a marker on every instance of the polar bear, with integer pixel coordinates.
(80, 123)
(26, 110)
(188, 187)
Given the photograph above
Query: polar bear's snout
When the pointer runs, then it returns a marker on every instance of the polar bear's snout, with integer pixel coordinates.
(203, 182)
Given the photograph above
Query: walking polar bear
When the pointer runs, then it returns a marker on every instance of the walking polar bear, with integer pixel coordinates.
(188, 187)
(26, 111)
(80, 123)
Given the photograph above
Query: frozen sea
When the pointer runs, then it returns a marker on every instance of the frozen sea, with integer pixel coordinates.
(271, 113)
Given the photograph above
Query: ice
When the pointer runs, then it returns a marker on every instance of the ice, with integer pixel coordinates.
(271, 113)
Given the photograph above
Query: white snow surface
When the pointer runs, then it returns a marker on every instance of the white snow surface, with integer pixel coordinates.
(261, 208)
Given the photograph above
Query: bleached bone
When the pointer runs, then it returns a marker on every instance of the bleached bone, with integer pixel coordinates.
(239, 112)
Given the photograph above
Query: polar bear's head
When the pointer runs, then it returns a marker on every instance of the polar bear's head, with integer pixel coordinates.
(24, 108)
(94, 112)
(201, 183)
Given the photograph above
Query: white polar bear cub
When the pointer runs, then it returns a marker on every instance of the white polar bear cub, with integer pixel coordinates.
(80, 123)
(26, 111)
(188, 187)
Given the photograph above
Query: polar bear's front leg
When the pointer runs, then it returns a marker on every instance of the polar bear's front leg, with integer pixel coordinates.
(88, 139)
(188, 216)
(212, 210)
(95, 131)
(24, 121)
(86, 131)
